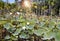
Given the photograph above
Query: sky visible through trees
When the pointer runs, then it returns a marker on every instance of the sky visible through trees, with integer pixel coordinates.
(10, 1)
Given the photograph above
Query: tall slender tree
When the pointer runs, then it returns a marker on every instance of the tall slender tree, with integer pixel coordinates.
(16, 2)
(1, 4)
(7, 1)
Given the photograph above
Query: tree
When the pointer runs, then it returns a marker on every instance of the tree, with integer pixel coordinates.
(1, 4)
(7, 1)
(57, 6)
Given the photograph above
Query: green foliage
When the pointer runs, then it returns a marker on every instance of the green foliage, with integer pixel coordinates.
(23, 28)
(20, 27)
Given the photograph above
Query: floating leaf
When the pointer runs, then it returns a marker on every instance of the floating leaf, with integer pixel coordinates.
(14, 38)
(49, 35)
(17, 31)
(24, 35)
(7, 26)
(7, 37)
(57, 36)
(30, 27)
(11, 30)
(39, 32)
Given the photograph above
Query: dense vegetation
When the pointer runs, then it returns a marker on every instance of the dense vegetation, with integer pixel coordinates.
(30, 29)
(18, 24)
